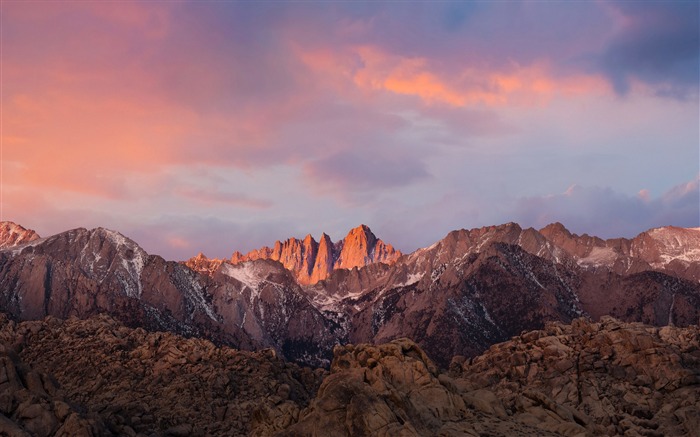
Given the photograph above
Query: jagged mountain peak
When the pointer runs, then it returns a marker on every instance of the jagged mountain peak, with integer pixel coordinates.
(12, 234)
(357, 248)
(665, 245)
(313, 261)
(363, 230)
(12, 226)
(308, 240)
(202, 264)
(555, 228)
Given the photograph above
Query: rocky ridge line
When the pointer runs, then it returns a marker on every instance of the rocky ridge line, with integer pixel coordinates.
(313, 261)
(468, 291)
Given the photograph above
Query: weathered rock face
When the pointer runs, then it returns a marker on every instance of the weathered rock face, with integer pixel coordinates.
(668, 249)
(395, 390)
(312, 262)
(202, 264)
(12, 234)
(463, 307)
(325, 260)
(380, 390)
(607, 378)
(264, 301)
(622, 378)
(32, 404)
(83, 273)
(142, 383)
(649, 297)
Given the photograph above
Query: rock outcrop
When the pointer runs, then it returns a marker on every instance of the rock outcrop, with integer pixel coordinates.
(583, 379)
(313, 261)
(395, 390)
(263, 300)
(202, 264)
(141, 383)
(622, 379)
(33, 405)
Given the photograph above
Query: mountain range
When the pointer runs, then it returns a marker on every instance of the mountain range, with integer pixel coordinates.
(459, 296)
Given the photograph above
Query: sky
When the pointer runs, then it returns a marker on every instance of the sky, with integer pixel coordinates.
(215, 126)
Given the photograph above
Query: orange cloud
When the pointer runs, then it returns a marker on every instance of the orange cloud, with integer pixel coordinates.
(372, 69)
(427, 86)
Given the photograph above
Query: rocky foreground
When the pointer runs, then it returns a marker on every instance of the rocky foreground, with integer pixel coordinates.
(96, 377)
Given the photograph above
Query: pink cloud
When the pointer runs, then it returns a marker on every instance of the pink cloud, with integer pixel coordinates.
(178, 242)
(214, 196)
(644, 195)
(349, 172)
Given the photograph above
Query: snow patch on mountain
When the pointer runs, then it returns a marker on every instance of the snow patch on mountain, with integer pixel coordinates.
(412, 279)
(195, 294)
(133, 260)
(245, 273)
(333, 303)
(599, 256)
(687, 256)
(676, 244)
(16, 250)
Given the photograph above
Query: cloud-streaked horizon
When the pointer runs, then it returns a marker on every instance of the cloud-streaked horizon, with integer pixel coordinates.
(217, 126)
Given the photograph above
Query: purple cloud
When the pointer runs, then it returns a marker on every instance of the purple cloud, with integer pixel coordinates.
(365, 171)
(658, 43)
(606, 213)
(212, 196)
